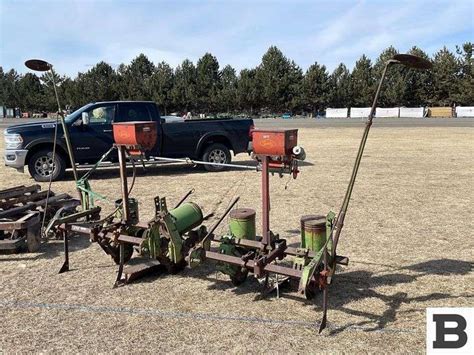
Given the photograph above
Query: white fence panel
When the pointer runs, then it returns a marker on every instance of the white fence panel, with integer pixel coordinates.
(336, 112)
(387, 112)
(357, 112)
(465, 111)
(412, 112)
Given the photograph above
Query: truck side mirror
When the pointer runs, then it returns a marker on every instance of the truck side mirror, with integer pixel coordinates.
(85, 118)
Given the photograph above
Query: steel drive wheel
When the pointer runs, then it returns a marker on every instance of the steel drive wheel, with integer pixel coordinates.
(216, 153)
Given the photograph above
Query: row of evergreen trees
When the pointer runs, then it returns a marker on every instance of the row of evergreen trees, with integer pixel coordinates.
(278, 84)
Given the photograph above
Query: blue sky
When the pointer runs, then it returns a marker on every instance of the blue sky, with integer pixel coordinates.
(74, 35)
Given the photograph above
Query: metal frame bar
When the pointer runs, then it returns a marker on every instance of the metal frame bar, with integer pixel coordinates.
(124, 185)
(265, 202)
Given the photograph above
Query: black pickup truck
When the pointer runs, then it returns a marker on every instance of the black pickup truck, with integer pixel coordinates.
(90, 128)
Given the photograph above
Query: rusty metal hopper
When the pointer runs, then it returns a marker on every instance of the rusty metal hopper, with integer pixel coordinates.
(38, 65)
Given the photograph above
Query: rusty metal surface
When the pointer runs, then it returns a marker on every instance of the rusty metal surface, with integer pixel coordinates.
(242, 213)
(18, 191)
(254, 244)
(413, 61)
(123, 181)
(250, 265)
(21, 210)
(76, 229)
(313, 222)
(38, 65)
(275, 142)
(10, 203)
(53, 201)
(137, 134)
(144, 268)
(265, 201)
(20, 234)
(126, 239)
(23, 222)
(310, 217)
(58, 200)
(12, 245)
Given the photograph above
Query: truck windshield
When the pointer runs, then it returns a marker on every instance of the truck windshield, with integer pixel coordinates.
(73, 116)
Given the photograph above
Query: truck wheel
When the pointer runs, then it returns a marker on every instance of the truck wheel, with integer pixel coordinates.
(41, 165)
(216, 153)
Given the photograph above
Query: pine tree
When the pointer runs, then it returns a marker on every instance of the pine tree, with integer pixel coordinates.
(9, 95)
(184, 89)
(136, 78)
(97, 84)
(279, 79)
(465, 92)
(30, 92)
(162, 85)
(120, 84)
(69, 94)
(227, 97)
(277, 84)
(249, 91)
(315, 88)
(419, 84)
(445, 74)
(49, 97)
(339, 87)
(207, 80)
(394, 86)
(362, 82)
(294, 100)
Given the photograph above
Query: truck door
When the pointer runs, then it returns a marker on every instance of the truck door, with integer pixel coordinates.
(92, 140)
(179, 139)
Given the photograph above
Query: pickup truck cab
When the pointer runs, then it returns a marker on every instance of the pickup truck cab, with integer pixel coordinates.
(90, 129)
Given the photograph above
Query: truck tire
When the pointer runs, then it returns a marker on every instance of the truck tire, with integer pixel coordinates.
(216, 153)
(41, 165)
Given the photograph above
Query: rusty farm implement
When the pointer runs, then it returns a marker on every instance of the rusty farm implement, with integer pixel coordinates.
(24, 210)
(176, 237)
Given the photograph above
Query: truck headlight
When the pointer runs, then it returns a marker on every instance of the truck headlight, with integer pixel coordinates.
(13, 141)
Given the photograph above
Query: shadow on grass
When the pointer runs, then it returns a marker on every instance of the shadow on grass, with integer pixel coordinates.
(353, 287)
(358, 285)
(51, 249)
(348, 287)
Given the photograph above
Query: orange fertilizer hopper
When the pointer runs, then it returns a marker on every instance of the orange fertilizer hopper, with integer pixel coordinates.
(274, 142)
(138, 135)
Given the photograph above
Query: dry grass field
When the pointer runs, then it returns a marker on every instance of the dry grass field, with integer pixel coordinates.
(408, 234)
